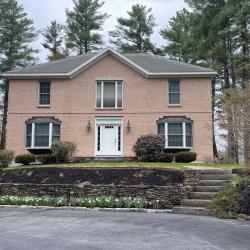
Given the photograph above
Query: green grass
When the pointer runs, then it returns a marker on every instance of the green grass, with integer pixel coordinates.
(177, 166)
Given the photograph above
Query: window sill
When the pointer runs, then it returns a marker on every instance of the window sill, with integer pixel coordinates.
(99, 109)
(174, 105)
(38, 148)
(178, 147)
(43, 106)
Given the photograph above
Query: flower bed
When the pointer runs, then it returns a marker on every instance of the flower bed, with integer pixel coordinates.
(103, 202)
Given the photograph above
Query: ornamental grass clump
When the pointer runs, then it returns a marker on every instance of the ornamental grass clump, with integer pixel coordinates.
(6, 158)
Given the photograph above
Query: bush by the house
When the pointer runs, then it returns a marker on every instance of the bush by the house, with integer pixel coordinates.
(6, 157)
(185, 157)
(166, 157)
(234, 199)
(25, 159)
(46, 159)
(63, 150)
(149, 147)
(103, 201)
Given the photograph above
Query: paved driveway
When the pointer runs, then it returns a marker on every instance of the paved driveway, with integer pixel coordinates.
(25, 229)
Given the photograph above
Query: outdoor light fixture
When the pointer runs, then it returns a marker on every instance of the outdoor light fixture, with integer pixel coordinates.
(88, 126)
(128, 126)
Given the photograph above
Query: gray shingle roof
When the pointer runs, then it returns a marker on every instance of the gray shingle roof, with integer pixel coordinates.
(146, 64)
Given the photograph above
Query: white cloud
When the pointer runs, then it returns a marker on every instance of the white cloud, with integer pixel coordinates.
(42, 12)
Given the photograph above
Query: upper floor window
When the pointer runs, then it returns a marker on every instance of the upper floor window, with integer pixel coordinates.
(177, 132)
(174, 92)
(41, 132)
(109, 94)
(44, 92)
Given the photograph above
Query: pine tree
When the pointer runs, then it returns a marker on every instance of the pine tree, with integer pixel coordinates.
(16, 34)
(133, 34)
(82, 25)
(178, 34)
(53, 40)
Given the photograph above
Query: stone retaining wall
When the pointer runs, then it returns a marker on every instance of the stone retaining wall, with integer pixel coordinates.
(168, 196)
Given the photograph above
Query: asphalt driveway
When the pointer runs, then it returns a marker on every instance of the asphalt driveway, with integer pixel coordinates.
(25, 229)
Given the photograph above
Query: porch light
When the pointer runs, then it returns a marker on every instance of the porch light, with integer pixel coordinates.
(88, 126)
(128, 126)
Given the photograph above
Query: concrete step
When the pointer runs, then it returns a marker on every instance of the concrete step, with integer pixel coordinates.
(213, 182)
(195, 203)
(202, 195)
(215, 171)
(207, 188)
(216, 176)
(193, 210)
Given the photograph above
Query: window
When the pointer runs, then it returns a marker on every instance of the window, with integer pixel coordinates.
(178, 134)
(41, 134)
(44, 93)
(174, 92)
(109, 94)
(175, 135)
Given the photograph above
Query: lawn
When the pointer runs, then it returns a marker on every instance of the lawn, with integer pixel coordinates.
(178, 166)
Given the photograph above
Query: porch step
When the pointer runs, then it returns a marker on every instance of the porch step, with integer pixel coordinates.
(202, 195)
(193, 210)
(195, 203)
(213, 182)
(216, 176)
(207, 188)
(215, 171)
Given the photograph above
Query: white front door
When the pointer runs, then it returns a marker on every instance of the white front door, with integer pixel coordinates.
(108, 139)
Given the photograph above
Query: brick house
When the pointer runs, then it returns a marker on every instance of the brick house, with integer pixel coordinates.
(104, 101)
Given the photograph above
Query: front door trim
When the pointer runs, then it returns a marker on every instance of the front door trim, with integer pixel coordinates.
(108, 121)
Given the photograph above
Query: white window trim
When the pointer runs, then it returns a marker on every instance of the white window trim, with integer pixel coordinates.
(33, 136)
(38, 95)
(183, 136)
(173, 104)
(116, 94)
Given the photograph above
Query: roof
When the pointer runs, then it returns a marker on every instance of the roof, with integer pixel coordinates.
(149, 65)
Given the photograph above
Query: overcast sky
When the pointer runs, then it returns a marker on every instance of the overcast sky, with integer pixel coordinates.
(43, 11)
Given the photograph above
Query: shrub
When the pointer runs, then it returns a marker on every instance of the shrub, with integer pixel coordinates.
(233, 199)
(185, 157)
(6, 157)
(25, 159)
(149, 147)
(63, 150)
(46, 159)
(166, 157)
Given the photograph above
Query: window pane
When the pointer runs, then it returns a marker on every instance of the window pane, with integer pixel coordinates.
(44, 93)
(28, 135)
(175, 141)
(161, 129)
(119, 94)
(45, 87)
(109, 95)
(44, 99)
(99, 95)
(56, 132)
(174, 86)
(175, 138)
(174, 98)
(175, 129)
(189, 137)
(41, 134)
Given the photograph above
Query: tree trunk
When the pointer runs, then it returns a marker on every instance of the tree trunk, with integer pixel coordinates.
(232, 145)
(5, 111)
(215, 152)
